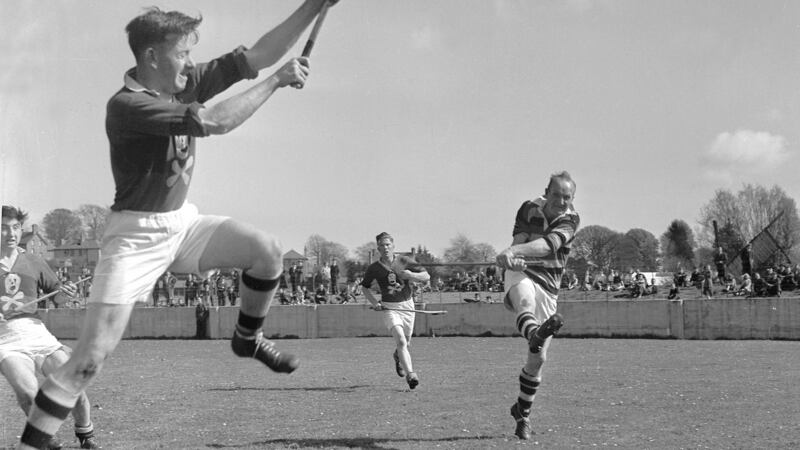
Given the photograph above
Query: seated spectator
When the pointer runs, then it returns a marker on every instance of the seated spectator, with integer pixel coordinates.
(759, 287)
(788, 279)
(773, 282)
(746, 289)
(681, 279)
(653, 286)
(728, 283)
(600, 281)
(283, 298)
(639, 286)
(674, 292)
(587, 282)
(321, 295)
(615, 281)
(695, 278)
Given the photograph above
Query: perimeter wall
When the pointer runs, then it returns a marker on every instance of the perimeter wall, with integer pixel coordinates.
(729, 318)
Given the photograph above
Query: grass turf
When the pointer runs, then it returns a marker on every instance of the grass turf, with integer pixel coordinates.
(186, 394)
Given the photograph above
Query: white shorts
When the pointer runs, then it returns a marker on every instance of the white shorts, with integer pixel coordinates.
(400, 316)
(138, 247)
(543, 305)
(28, 337)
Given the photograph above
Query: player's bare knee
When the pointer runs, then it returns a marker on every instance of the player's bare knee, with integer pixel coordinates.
(268, 257)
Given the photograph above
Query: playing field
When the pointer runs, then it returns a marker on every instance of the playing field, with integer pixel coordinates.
(637, 394)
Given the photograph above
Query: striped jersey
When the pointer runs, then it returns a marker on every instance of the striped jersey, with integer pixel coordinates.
(531, 224)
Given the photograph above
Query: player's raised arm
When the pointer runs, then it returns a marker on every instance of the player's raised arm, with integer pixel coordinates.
(274, 44)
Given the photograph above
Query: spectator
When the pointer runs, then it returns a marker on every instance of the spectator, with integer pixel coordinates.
(720, 259)
(169, 282)
(293, 276)
(190, 290)
(639, 286)
(759, 286)
(600, 281)
(681, 278)
(747, 259)
(772, 282)
(282, 297)
(674, 292)
(573, 281)
(321, 295)
(653, 286)
(707, 282)
(746, 289)
(695, 278)
(615, 281)
(334, 277)
(201, 315)
(729, 283)
(325, 275)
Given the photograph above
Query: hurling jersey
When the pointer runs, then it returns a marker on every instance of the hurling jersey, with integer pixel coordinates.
(558, 234)
(21, 284)
(152, 140)
(392, 288)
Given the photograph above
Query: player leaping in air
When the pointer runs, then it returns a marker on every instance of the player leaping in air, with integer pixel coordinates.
(543, 231)
(153, 123)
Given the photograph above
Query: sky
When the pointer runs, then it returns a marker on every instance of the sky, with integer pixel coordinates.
(430, 118)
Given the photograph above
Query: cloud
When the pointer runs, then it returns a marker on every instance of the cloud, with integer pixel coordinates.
(745, 153)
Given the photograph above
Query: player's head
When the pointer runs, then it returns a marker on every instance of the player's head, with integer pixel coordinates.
(13, 219)
(385, 243)
(161, 42)
(559, 193)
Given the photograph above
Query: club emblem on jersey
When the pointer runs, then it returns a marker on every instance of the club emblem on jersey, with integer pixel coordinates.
(177, 153)
(394, 286)
(12, 298)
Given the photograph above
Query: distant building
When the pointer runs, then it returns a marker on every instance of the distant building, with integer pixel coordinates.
(77, 256)
(34, 243)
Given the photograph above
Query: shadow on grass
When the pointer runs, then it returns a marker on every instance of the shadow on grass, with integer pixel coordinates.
(363, 442)
(288, 389)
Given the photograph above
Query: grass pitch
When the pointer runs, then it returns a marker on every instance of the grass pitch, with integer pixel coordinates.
(637, 394)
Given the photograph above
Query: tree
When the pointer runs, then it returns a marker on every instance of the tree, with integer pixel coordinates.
(93, 218)
(367, 252)
(485, 252)
(62, 225)
(461, 250)
(596, 244)
(322, 250)
(626, 254)
(678, 245)
(749, 211)
(646, 249)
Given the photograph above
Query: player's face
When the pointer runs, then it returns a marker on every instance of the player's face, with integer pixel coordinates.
(558, 196)
(386, 247)
(174, 62)
(11, 233)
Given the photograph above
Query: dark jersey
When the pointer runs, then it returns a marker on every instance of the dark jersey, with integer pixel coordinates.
(153, 140)
(392, 288)
(531, 224)
(22, 284)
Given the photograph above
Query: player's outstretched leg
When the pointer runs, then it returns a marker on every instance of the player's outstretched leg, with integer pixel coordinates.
(523, 430)
(549, 328)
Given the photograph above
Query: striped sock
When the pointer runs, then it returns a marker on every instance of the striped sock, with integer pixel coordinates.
(247, 326)
(526, 324)
(51, 407)
(528, 384)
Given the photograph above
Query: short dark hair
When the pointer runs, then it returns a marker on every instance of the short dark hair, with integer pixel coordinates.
(11, 212)
(154, 25)
(383, 235)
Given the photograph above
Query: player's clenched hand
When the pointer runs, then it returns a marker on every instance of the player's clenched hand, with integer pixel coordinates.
(69, 289)
(507, 260)
(293, 73)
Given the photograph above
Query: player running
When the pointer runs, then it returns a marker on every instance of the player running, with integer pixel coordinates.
(26, 346)
(393, 278)
(543, 231)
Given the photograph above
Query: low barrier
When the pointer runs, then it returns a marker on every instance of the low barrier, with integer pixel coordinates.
(738, 318)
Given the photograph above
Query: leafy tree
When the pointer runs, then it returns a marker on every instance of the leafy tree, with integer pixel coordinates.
(749, 211)
(678, 245)
(626, 254)
(461, 250)
(646, 248)
(366, 252)
(323, 250)
(485, 252)
(596, 244)
(93, 218)
(62, 225)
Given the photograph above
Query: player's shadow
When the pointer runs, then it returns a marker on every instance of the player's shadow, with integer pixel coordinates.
(288, 389)
(361, 443)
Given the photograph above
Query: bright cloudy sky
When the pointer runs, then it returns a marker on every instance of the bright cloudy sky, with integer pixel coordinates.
(430, 118)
